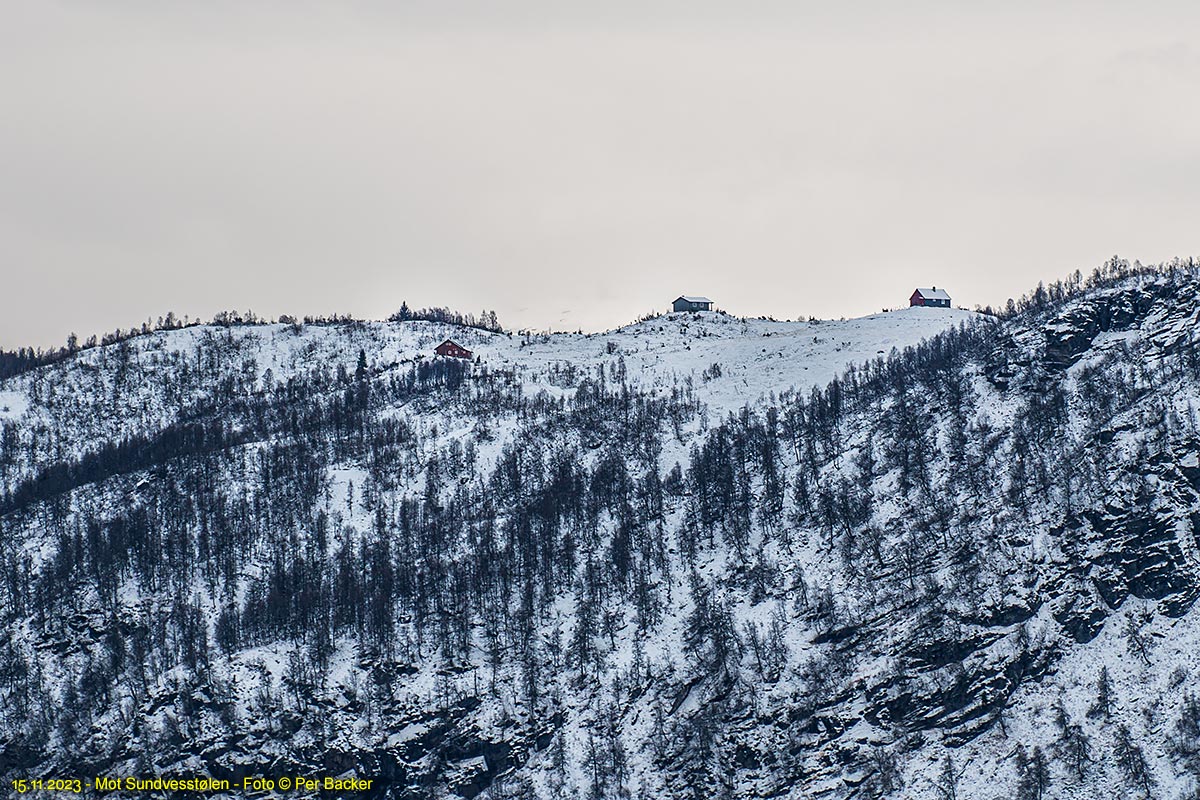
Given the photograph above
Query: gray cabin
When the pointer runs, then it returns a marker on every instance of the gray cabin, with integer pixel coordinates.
(685, 303)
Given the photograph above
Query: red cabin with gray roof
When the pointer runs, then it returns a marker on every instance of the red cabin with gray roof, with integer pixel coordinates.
(452, 349)
(930, 297)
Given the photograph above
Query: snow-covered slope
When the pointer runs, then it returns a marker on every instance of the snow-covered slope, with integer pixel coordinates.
(697, 556)
(90, 399)
(756, 357)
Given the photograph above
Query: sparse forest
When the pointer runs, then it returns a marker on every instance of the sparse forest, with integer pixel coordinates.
(312, 546)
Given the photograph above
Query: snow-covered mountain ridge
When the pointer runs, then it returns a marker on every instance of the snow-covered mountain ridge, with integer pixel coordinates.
(761, 356)
(160, 377)
(647, 563)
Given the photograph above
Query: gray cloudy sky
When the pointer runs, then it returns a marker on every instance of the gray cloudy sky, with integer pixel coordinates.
(577, 165)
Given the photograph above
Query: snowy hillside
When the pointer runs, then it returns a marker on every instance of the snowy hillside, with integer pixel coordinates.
(922, 554)
(87, 401)
(756, 357)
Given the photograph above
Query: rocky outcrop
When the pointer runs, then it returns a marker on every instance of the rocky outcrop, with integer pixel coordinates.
(1070, 334)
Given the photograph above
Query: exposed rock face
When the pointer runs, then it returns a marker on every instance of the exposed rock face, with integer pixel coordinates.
(1071, 334)
(1143, 556)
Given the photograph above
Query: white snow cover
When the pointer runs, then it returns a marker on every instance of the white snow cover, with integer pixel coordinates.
(753, 359)
(12, 404)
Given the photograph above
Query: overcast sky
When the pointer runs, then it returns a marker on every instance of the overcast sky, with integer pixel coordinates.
(575, 165)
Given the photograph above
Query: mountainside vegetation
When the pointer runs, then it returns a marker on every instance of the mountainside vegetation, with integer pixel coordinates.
(964, 568)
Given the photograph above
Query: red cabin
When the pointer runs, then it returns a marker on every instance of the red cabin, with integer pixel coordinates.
(930, 297)
(452, 349)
